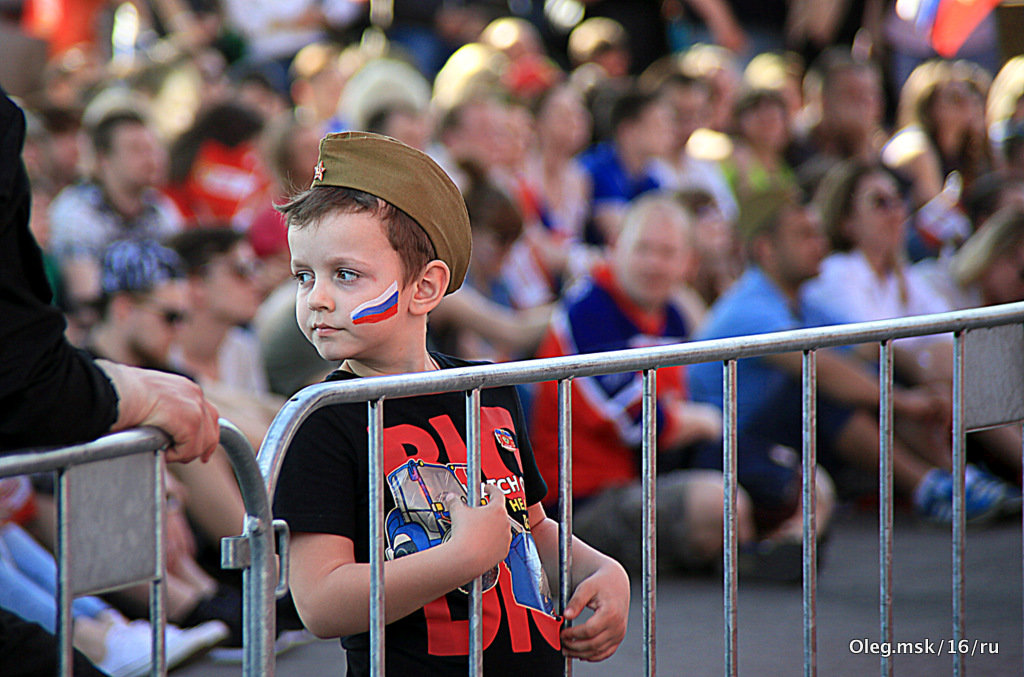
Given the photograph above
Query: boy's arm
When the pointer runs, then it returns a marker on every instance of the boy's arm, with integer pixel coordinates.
(332, 591)
(600, 583)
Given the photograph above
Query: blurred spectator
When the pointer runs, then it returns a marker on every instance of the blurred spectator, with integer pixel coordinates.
(316, 84)
(144, 305)
(275, 30)
(529, 73)
(643, 29)
(989, 268)
(621, 169)
(483, 320)
(677, 168)
(214, 345)
(119, 201)
(783, 73)
(786, 245)
(384, 86)
(758, 161)
(402, 122)
(472, 131)
(627, 303)
(847, 104)
(52, 147)
(718, 254)
(559, 186)
(216, 172)
(603, 42)
(867, 276)
(563, 128)
(942, 128)
(720, 69)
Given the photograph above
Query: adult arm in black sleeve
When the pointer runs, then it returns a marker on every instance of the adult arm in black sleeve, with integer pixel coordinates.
(50, 393)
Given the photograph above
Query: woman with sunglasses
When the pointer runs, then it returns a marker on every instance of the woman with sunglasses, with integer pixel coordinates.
(867, 276)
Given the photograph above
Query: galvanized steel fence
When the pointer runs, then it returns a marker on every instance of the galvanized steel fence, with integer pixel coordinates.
(988, 390)
(110, 533)
(103, 544)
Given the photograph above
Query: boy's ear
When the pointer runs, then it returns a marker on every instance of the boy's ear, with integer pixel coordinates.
(429, 288)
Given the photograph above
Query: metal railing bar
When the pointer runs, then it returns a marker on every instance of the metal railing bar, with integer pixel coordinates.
(649, 451)
(158, 586)
(473, 479)
(64, 594)
(114, 445)
(810, 504)
(959, 516)
(730, 536)
(375, 415)
(885, 500)
(258, 580)
(565, 503)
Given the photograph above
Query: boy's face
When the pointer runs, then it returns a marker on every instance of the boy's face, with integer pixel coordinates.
(350, 296)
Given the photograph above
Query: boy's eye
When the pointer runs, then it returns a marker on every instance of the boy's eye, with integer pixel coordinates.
(303, 277)
(347, 275)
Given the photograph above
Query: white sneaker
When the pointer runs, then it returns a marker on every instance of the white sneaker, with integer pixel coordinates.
(128, 646)
(185, 643)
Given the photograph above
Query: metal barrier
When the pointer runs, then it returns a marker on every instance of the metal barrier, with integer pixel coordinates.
(110, 533)
(995, 385)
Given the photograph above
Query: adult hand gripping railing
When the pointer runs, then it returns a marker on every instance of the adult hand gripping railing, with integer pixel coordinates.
(82, 570)
(375, 391)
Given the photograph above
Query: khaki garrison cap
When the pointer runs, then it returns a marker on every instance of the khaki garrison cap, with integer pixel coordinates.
(408, 179)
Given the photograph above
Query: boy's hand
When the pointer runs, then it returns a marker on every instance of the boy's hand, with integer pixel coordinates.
(606, 591)
(482, 534)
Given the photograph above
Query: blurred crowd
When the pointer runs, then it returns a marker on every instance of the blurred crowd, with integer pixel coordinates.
(636, 173)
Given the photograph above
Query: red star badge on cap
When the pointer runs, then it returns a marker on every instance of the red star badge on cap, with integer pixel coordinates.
(318, 171)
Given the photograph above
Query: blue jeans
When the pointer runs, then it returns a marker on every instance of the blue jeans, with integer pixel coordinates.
(28, 581)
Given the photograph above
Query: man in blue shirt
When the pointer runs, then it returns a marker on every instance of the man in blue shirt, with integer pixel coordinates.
(785, 245)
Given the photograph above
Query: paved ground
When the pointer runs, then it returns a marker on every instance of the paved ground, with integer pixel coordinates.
(690, 618)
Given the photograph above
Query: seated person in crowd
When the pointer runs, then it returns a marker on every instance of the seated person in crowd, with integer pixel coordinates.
(620, 169)
(480, 320)
(143, 304)
(118, 202)
(989, 268)
(214, 344)
(627, 303)
(867, 277)
(786, 246)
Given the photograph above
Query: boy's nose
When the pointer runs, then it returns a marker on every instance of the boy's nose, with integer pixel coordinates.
(319, 298)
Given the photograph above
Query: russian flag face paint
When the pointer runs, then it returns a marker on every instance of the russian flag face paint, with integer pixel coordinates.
(378, 309)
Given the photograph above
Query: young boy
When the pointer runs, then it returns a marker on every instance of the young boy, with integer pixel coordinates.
(376, 242)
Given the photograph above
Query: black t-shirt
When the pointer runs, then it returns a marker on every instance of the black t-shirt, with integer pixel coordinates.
(322, 488)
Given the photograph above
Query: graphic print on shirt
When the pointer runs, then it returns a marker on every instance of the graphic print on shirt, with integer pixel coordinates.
(420, 521)
(520, 599)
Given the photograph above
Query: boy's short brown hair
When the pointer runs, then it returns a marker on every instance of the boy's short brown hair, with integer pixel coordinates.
(415, 250)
